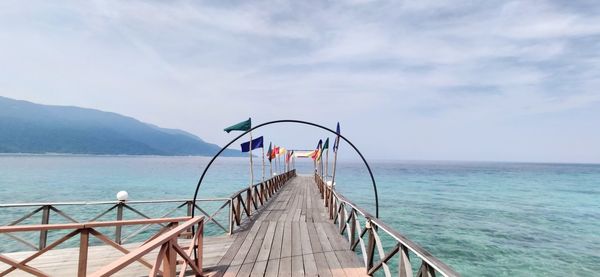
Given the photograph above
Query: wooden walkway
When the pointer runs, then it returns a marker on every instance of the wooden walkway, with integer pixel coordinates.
(290, 236)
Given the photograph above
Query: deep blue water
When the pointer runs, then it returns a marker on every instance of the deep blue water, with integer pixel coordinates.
(483, 219)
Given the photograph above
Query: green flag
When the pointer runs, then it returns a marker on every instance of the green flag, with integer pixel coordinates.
(242, 126)
(326, 145)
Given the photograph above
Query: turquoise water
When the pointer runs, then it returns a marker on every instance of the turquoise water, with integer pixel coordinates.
(483, 219)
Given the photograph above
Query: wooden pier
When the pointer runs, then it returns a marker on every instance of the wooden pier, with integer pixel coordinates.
(286, 226)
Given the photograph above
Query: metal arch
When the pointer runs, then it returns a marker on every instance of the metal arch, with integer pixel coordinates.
(290, 121)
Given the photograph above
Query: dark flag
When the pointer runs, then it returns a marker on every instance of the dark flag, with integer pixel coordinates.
(256, 143)
(337, 138)
(269, 153)
(242, 126)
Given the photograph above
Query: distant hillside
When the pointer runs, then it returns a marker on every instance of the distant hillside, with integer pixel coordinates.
(27, 127)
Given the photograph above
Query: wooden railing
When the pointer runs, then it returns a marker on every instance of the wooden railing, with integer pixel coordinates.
(166, 239)
(118, 208)
(240, 204)
(252, 198)
(355, 223)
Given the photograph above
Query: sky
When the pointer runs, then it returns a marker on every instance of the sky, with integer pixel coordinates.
(407, 80)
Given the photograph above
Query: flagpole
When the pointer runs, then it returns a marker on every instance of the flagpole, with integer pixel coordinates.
(327, 163)
(263, 162)
(250, 198)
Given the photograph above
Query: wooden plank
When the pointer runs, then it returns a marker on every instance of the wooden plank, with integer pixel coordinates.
(297, 260)
(241, 253)
(265, 249)
(321, 262)
(275, 255)
(310, 265)
(252, 255)
(285, 264)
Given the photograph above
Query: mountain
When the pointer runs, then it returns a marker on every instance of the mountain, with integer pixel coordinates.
(27, 127)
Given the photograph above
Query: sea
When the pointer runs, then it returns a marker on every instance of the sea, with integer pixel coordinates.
(481, 218)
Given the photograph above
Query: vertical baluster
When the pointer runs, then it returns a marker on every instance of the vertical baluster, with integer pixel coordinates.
(190, 208)
(370, 246)
(230, 216)
(249, 201)
(119, 218)
(342, 218)
(170, 259)
(199, 245)
(425, 270)
(83, 252)
(352, 227)
(45, 220)
(404, 267)
(238, 210)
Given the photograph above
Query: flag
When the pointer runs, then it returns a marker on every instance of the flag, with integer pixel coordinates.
(242, 126)
(289, 156)
(269, 152)
(282, 150)
(336, 144)
(275, 152)
(317, 152)
(325, 146)
(256, 143)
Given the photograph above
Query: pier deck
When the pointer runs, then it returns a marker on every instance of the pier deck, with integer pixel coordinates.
(291, 236)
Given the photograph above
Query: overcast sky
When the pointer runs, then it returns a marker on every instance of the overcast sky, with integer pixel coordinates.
(433, 80)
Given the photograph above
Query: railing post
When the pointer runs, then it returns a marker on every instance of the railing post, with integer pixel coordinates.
(352, 222)
(332, 204)
(45, 220)
(190, 209)
(230, 216)
(404, 267)
(199, 246)
(249, 201)
(342, 218)
(83, 252)
(119, 218)
(371, 246)
(170, 260)
(238, 210)
(426, 270)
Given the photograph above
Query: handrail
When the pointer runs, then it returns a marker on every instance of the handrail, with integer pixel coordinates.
(349, 224)
(166, 238)
(80, 203)
(261, 193)
(116, 207)
(256, 196)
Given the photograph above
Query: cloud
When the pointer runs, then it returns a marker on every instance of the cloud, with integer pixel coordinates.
(425, 64)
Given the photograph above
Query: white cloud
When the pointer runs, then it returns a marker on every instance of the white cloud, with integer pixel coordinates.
(430, 65)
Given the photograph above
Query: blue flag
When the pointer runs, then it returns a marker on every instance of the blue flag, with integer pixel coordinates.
(256, 143)
(336, 144)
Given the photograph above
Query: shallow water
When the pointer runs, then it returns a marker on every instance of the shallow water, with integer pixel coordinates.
(483, 219)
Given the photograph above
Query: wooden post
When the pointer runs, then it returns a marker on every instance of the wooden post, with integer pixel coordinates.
(190, 209)
(83, 252)
(404, 267)
(352, 227)
(230, 216)
(249, 200)
(342, 218)
(371, 246)
(45, 220)
(119, 218)
(199, 245)
(170, 260)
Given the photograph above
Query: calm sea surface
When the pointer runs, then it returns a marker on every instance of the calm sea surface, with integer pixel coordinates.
(483, 219)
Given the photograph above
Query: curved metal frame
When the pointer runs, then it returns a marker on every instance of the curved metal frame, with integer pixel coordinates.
(290, 121)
